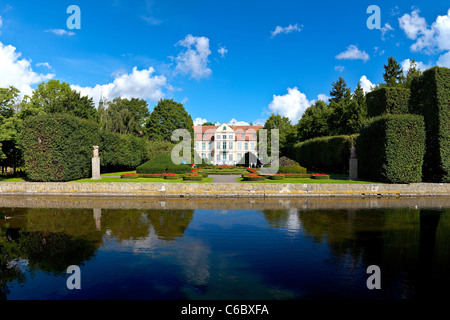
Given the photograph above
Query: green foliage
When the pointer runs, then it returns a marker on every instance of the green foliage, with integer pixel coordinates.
(390, 149)
(286, 132)
(162, 164)
(192, 178)
(329, 154)
(168, 116)
(430, 97)
(253, 178)
(276, 177)
(393, 73)
(58, 147)
(121, 152)
(292, 169)
(393, 100)
(339, 91)
(54, 97)
(125, 116)
(314, 121)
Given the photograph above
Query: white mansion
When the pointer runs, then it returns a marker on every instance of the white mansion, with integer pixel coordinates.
(225, 144)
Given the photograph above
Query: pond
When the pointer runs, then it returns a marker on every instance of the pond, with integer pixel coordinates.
(224, 249)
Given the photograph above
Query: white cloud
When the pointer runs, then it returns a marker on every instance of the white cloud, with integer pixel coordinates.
(18, 72)
(339, 68)
(234, 122)
(322, 97)
(387, 27)
(199, 121)
(44, 64)
(291, 105)
(444, 60)
(435, 38)
(222, 51)
(61, 32)
(366, 85)
(406, 64)
(194, 60)
(288, 29)
(353, 53)
(140, 84)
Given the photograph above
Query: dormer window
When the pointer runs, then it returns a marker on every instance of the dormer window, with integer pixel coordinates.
(224, 128)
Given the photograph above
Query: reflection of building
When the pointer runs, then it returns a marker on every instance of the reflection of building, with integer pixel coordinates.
(225, 144)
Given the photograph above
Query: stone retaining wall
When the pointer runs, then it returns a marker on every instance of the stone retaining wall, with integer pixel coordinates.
(254, 190)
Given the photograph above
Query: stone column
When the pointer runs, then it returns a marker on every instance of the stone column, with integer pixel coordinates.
(353, 165)
(96, 165)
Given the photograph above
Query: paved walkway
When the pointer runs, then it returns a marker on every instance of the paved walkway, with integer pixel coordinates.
(224, 178)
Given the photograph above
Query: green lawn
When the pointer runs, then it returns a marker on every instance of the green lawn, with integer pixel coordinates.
(116, 173)
(149, 180)
(308, 181)
(3, 179)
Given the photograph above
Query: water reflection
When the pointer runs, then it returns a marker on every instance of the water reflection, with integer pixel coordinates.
(293, 250)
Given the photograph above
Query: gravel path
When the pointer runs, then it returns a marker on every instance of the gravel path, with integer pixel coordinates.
(224, 178)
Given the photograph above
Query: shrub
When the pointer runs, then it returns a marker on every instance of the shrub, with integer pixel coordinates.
(162, 164)
(391, 148)
(171, 176)
(285, 162)
(192, 177)
(329, 154)
(297, 175)
(292, 169)
(276, 177)
(319, 176)
(130, 176)
(253, 178)
(58, 147)
(152, 175)
(392, 100)
(430, 97)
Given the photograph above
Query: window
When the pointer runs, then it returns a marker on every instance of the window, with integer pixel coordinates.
(239, 145)
(254, 137)
(218, 157)
(204, 136)
(196, 146)
(224, 128)
(252, 146)
(218, 136)
(210, 146)
(243, 137)
(230, 145)
(224, 137)
(239, 157)
(224, 156)
(230, 136)
(230, 157)
(203, 146)
(203, 156)
(224, 146)
(246, 146)
(210, 156)
(218, 145)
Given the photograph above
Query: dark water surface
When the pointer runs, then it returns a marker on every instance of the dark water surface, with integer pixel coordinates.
(224, 249)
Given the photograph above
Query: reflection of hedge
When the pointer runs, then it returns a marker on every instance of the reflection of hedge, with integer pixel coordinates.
(58, 147)
(329, 154)
(391, 149)
(162, 164)
(430, 97)
(393, 100)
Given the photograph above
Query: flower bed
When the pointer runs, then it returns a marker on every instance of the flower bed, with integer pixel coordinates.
(192, 177)
(130, 176)
(297, 175)
(319, 176)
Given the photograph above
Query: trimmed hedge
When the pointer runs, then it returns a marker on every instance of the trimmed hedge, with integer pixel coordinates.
(388, 100)
(320, 176)
(391, 149)
(329, 154)
(253, 178)
(276, 177)
(430, 97)
(162, 164)
(292, 169)
(58, 147)
(187, 177)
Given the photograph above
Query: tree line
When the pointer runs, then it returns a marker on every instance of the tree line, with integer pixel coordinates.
(343, 114)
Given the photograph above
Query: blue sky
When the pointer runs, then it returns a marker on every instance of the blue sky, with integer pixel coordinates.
(223, 60)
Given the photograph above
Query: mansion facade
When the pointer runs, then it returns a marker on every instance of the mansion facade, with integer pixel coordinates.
(225, 144)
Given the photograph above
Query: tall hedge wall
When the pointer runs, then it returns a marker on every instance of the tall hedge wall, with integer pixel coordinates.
(58, 147)
(330, 154)
(391, 148)
(430, 97)
(162, 164)
(393, 100)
